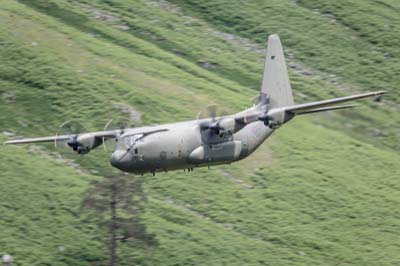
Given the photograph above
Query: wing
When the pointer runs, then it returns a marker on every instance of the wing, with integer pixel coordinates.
(37, 140)
(323, 109)
(326, 105)
(252, 115)
(97, 134)
(108, 134)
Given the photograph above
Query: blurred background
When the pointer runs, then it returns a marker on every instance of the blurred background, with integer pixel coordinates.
(324, 190)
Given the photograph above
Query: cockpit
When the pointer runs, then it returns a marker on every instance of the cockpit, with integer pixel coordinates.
(126, 151)
(130, 141)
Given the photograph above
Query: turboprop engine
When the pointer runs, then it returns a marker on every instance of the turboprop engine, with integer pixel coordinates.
(227, 126)
(215, 121)
(83, 143)
(276, 117)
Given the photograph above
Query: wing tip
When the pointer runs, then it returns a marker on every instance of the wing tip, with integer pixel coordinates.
(8, 142)
(273, 37)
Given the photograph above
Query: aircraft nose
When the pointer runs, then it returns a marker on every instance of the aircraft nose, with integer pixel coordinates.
(120, 159)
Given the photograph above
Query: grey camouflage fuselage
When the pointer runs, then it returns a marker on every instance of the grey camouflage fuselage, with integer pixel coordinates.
(184, 146)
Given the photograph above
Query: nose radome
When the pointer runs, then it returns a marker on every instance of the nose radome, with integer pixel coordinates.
(120, 159)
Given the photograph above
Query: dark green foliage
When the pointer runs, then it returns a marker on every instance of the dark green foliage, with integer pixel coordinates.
(125, 193)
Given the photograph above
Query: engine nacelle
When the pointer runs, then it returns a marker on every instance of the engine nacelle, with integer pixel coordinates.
(227, 126)
(276, 117)
(85, 143)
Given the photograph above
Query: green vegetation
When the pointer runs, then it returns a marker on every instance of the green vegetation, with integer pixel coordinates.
(323, 191)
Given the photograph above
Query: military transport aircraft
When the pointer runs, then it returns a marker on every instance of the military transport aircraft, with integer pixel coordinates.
(208, 141)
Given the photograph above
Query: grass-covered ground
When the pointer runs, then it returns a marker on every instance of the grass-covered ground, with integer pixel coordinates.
(323, 190)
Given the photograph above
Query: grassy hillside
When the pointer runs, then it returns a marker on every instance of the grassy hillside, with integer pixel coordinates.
(323, 190)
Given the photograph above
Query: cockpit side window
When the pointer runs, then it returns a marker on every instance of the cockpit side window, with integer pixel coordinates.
(130, 141)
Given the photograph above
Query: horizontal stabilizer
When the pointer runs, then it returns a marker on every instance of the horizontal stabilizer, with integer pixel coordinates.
(302, 108)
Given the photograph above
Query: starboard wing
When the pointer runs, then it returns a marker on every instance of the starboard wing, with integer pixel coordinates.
(327, 105)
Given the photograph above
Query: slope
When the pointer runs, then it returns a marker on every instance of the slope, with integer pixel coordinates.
(313, 194)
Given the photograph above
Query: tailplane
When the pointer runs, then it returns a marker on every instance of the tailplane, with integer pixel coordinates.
(275, 90)
(276, 93)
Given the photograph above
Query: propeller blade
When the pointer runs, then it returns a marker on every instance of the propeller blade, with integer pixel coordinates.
(212, 111)
(103, 138)
(209, 121)
(72, 129)
(121, 123)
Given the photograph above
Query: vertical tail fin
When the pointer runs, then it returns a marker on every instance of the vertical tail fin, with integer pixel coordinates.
(276, 84)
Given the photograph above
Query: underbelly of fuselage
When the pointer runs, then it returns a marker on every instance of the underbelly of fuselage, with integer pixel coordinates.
(142, 165)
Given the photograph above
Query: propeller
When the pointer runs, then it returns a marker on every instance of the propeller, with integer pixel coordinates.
(209, 121)
(210, 118)
(72, 129)
(73, 143)
(120, 123)
(255, 100)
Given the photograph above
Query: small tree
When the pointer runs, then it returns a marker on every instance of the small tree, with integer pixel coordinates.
(118, 202)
